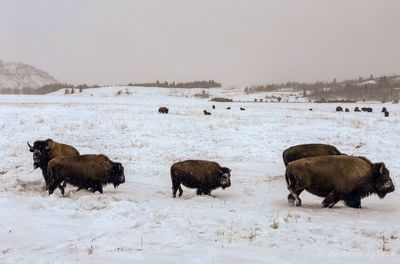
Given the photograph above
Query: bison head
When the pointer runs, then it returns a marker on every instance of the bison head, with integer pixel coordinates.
(117, 176)
(40, 150)
(382, 181)
(224, 177)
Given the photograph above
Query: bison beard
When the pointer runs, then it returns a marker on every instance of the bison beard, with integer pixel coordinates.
(203, 175)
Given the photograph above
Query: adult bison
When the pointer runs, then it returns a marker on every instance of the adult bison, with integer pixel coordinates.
(357, 109)
(205, 112)
(308, 150)
(85, 171)
(201, 174)
(163, 110)
(46, 150)
(386, 113)
(337, 178)
(339, 109)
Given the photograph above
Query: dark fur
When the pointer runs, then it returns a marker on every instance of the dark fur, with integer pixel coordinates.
(85, 171)
(228, 108)
(206, 112)
(386, 113)
(357, 109)
(213, 106)
(347, 110)
(201, 174)
(367, 109)
(46, 150)
(339, 109)
(163, 110)
(242, 109)
(384, 109)
(308, 150)
(337, 178)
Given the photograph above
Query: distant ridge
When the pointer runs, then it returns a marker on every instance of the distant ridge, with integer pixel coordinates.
(16, 75)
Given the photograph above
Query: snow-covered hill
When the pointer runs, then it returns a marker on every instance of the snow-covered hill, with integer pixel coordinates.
(140, 222)
(19, 75)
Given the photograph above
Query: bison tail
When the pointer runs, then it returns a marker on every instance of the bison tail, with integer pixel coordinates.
(287, 178)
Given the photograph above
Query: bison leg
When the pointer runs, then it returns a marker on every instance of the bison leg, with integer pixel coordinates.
(330, 200)
(296, 199)
(353, 203)
(175, 188)
(292, 199)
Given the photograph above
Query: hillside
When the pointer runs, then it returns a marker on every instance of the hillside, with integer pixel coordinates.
(14, 75)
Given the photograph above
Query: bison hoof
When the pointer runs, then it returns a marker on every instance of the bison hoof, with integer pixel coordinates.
(297, 202)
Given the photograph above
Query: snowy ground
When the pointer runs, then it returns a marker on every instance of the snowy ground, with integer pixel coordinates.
(250, 222)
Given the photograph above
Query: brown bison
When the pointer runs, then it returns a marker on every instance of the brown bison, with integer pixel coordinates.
(308, 150)
(386, 113)
(366, 109)
(339, 109)
(46, 150)
(163, 110)
(85, 171)
(384, 109)
(242, 109)
(206, 112)
(337, 178)
(201, 174)
(357, 109)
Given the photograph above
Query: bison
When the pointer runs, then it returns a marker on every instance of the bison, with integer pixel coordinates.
(367, 109)
(163, 110)
(308, 150)
(384, 109)
(339, 109)
(228, 108)
(45, 150)
(357, 109)
(85, 171)
(242, 109)
(386, 113)
(201, 174)
(206, 112)
(213, 106)
(337, 178)
(347, 110)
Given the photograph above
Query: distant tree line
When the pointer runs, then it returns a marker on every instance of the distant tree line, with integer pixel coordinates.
(383, 89)
(45, 89)
(195, 84)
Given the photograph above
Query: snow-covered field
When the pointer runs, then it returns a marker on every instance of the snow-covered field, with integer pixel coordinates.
(250, 222)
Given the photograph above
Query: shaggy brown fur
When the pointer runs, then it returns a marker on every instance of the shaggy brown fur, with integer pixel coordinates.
(201, 174)
(85, 171)
(308, 150)
(336, 178)
(46, 150)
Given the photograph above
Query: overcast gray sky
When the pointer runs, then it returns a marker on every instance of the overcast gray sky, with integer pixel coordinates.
(234, 42)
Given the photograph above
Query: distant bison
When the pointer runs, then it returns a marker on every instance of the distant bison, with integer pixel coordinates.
(386, 113)
(308, 150)
(201, 174)
(310, 109)
(347, 110)
(242, 109)
(367, 109)
(357, 109)
(337, 178)
(85, 171)
(213, 106)
(163, 110)
(384, 110)
(339, 109)
(206, 112)
(228, 108)
(45, 150)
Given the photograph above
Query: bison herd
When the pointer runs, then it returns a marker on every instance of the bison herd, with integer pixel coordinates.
(363, 109)
(320, 169)
(165, 110)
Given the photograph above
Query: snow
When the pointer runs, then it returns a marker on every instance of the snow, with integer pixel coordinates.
(250, 222)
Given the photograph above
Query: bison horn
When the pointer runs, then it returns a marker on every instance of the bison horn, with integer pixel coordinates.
(30, 147)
